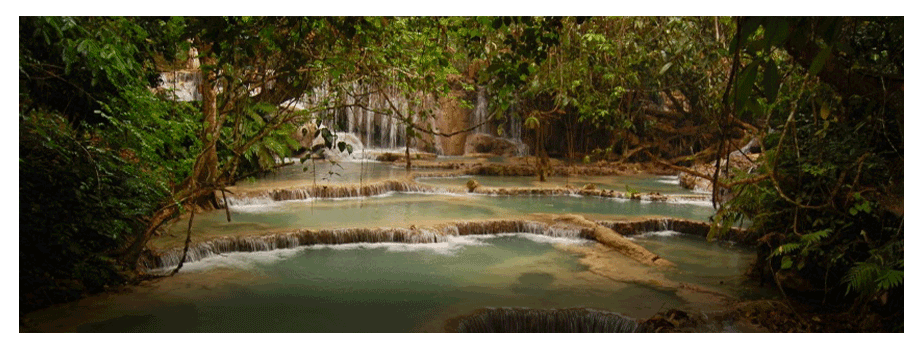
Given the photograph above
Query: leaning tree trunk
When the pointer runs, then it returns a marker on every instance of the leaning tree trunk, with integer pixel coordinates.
(206, 169)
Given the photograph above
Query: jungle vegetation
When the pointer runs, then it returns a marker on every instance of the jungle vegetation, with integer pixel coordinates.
(105, 159)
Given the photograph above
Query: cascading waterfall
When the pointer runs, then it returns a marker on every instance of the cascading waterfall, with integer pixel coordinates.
(695, 228)
(182, 85)
(521, 320)
(376, 130)
(385, 131)
(481, 112)
(515, 124)
(328, 192)
(200, 250)
(242, 198)
(520, 226)
(286, 240)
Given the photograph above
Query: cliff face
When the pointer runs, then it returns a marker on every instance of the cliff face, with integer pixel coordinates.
(453, 118)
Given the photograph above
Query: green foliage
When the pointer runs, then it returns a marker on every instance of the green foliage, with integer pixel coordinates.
(601, 73)
(835, 158)
(631, 192)
(99, 150)
(94, 165)
(868, 277)
(87, 59)
(79, 201)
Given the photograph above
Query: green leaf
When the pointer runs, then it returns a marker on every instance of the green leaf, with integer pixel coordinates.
(531, 122)
(497, 22)
(665, 68)
(816, 236)
(771, 81)
(749, 26)
(786, 263)
(744, 85)
(495, 66)
(777, 31)
(820, 60)
(890, 279)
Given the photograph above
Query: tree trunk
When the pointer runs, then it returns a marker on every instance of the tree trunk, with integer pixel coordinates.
(408, 150)
(542, 154)
(206, 169)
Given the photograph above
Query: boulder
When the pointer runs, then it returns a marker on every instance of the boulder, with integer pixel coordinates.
(472, 185)
(387, 157)
(488, 144)
(305, 135)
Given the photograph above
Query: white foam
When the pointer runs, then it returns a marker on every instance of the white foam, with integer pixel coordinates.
(238, 260)
(683, 201)
(538, 238)
(444, 248)
(672, 180)
(450, 246)
(664, 233)
(382, 195)
(256, 207)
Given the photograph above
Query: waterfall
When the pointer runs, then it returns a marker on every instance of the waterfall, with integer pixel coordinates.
(518, 226)
(243, 198)
(481, 112)
(413, 235)
(200, 250)
(376, 130)
(181, 85)
(521, 320)
(329, 191)
(691, 227)
(515, 124)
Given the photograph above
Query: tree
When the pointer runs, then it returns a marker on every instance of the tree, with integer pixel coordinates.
(830, 202)
(97, 151)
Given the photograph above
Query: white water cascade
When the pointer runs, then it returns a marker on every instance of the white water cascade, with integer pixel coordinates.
(373, 117)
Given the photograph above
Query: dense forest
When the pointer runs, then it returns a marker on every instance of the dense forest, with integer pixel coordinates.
(107, 156)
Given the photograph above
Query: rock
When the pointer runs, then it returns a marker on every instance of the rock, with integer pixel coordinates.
(615, 241)
(589, 186)
(483, 143)
(754, 146)
(737, 161)
(387, 157)
(305, 135)
(472, 185)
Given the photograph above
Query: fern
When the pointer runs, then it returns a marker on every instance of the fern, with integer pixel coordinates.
(788, 248)
(889, 279)
(815, 237)
(861, 277)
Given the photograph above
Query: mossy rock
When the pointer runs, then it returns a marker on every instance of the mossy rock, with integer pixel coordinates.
(472, 185)
(387, 157)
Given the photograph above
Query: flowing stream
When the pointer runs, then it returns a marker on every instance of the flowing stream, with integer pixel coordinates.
(419, 287)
